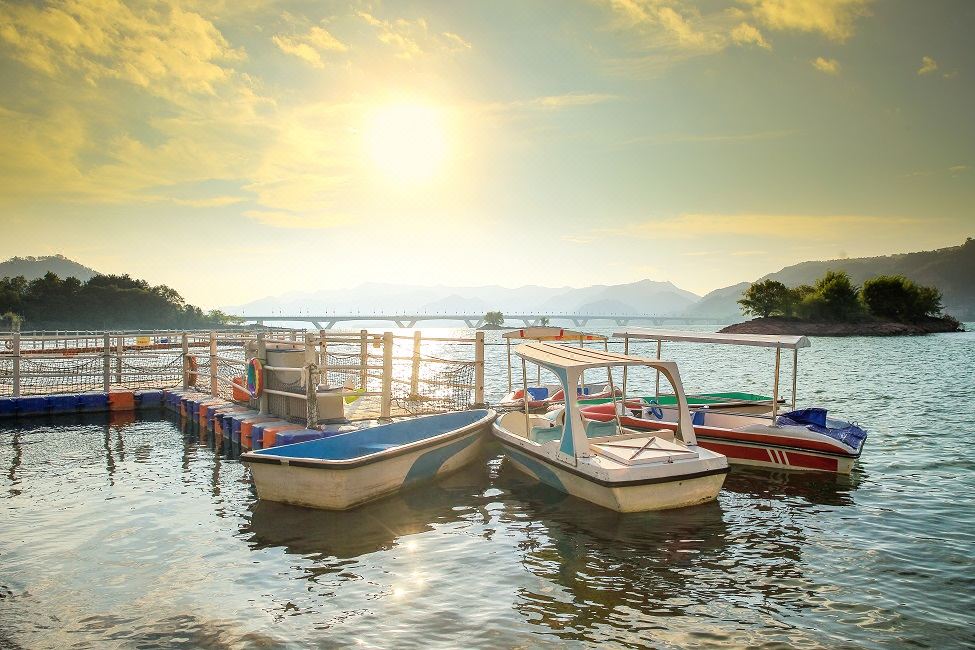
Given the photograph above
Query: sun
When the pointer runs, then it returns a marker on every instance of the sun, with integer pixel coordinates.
(407, 142)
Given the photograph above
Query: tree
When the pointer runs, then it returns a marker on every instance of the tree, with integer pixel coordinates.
(766, 298)
(840, 296)
(495, 318)
(898, 298)
(543, 321)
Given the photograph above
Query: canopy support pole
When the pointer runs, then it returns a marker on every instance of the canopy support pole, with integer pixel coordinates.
(524, 397)
(659, 348)
(507, 343)
(775, 385)
(626, 350)
(795, 372)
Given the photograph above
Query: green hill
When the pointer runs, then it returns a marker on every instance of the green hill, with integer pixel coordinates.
(36, 267)
(949, 269)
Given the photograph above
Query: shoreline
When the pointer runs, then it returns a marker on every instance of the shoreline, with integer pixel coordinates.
(780, 325)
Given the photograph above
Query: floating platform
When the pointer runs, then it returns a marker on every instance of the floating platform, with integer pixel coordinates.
(92, 402)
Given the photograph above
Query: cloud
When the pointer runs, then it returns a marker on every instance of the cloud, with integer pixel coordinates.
(412, 39)
(210, 202)
(829, 66)
(745, 34)
(565, 101)
(167, 51)
(663, 32)
(812, 227)
(928, 65)
(834, 19)
(310, 46)
(720, 137)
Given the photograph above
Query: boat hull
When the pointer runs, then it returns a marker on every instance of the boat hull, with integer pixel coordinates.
(340, 486)
(769, 447)
(659, 493)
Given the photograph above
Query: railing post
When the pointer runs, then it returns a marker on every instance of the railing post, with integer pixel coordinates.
(120, 348)
(386, 404)
(186, 352)
(415, 375)
(16, 352)
(262, 355)
(323, 356)
(106, 362)
(311, 390)
(364, 358)
(214, 387)
(479, 368)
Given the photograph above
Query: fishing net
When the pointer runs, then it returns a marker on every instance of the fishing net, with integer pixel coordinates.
(441, 385)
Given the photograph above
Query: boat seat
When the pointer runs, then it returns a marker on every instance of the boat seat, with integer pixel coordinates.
(541, 435)
(597, 429)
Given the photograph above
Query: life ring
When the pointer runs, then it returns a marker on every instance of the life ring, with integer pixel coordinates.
(255, 377)
(191, 368)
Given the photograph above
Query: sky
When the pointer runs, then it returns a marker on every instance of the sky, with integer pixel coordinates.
(234, 149)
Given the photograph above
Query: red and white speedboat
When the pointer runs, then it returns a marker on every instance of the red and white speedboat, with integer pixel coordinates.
(810, 442)
(798, 439)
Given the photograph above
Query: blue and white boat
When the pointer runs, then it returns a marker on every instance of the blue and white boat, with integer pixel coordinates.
(347, 470)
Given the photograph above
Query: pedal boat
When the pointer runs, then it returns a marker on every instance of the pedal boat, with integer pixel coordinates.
(349, 469)
(763, 436)
(542, 396)
(602, 462)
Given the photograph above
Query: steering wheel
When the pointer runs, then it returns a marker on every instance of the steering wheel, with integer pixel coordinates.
(656, 410)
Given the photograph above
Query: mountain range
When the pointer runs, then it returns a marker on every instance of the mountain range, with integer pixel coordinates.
(645, 296)
(949, 269)
(36, 267)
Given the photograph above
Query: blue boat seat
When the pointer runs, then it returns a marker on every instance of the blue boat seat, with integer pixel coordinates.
(541, 435)
(596, 429)
(538, 392)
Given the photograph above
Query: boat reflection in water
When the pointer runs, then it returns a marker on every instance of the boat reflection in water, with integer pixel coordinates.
(813, 488)
(372, 527)
(647, 577)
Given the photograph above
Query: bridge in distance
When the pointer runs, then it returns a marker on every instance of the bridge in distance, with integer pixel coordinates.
(327, 322)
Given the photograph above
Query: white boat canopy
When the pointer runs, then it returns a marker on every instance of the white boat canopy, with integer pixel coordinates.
(759, 340)
(789, 342)
(569, 363)
(546, 333)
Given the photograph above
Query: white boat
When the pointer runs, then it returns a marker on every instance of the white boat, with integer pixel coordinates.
(602, 462)
(349, 469)
(763, 435)
(540, 396)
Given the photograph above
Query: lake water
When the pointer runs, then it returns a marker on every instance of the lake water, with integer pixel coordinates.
(131, 534)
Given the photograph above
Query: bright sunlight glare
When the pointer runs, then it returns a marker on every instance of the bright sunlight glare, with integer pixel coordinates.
(406, 142)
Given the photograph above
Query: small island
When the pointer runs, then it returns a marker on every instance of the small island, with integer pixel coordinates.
(887, 305)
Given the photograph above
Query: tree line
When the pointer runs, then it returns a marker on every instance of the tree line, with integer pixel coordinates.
(835, 297)
(103, 302)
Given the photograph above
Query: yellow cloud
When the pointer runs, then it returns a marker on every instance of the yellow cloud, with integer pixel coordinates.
(310, 46)
(829, 66)
(823, 227)
(745, 34)
(167, 51)
(834, 19)
(412, 38)
(927, 65)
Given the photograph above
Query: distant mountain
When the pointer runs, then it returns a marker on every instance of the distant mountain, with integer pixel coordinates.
(643, 297)
(949, 269)
(36, 267)
(720, 303)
